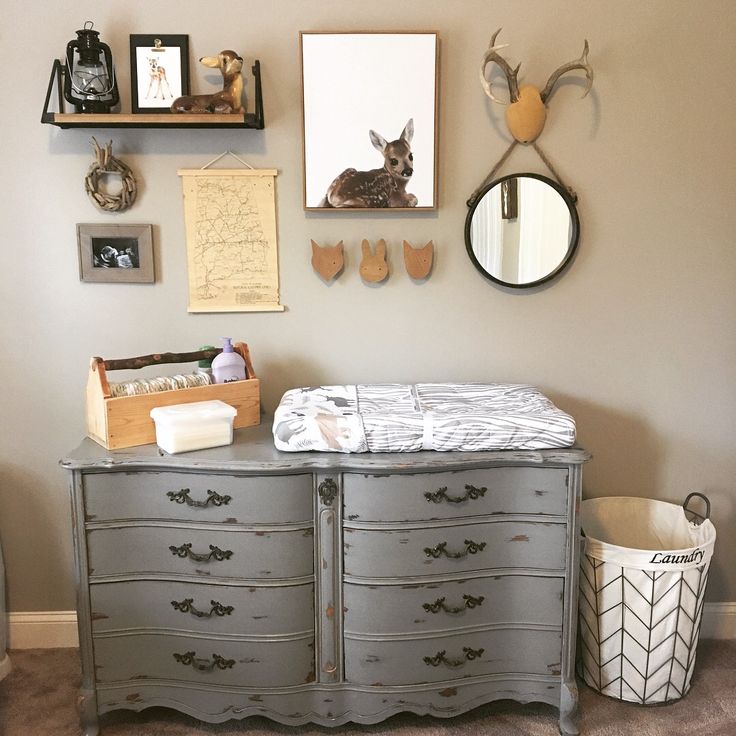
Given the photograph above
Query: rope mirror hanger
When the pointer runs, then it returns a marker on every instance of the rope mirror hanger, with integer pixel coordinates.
(105, 165)
(527, 107)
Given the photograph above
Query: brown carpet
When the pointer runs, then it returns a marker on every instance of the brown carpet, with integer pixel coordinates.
(38, 698)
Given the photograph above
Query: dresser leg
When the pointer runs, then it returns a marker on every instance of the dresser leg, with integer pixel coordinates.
(87, 706)
(569, 709)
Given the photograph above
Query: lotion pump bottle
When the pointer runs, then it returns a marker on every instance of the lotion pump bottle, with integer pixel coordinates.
(228, 366)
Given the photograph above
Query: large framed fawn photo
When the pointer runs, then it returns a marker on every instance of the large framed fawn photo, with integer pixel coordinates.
(370, 120)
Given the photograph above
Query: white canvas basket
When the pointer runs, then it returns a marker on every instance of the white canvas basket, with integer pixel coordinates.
(642, 585)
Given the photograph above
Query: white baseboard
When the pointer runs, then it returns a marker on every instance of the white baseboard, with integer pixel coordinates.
(42, 630)
(719, 621)
(50, 629)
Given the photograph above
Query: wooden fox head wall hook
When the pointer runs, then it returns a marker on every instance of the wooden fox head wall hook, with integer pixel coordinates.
(373, 267)
(527, 111)
(418, 261)
(328, 260)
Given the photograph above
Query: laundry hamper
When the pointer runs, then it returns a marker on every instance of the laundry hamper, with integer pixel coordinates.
(643, 574)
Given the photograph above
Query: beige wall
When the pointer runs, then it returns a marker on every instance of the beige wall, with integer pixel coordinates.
(637, 340)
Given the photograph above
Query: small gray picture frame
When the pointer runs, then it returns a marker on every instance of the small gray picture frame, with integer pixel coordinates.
(115, 254)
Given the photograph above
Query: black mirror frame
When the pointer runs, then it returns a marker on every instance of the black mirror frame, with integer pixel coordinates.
(572, 247)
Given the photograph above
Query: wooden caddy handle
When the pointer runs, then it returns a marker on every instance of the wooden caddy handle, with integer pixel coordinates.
(101, 366)
(159, 359)
(143, 361)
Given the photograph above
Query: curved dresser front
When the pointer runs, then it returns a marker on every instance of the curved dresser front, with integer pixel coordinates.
(326, 588)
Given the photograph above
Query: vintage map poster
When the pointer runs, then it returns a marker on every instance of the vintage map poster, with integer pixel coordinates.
(232, 252)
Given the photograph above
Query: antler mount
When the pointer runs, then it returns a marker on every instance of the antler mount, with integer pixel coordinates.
(527, 112)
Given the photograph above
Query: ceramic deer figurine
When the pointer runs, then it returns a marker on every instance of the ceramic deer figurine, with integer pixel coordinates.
(229, 99)
(384, 187)
(328, 260)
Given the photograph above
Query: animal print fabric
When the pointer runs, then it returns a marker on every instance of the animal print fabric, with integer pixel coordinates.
(426, 416)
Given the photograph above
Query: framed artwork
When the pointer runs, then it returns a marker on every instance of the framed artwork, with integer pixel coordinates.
(159, 71)
(115, 253)
(232, 244)
(370, 120)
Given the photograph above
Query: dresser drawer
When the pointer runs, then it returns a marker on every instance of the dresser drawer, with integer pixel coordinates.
(204, 661)
(482, 601)
(420, 496)
(454, 549)
(216, 609)
(197, 497)
(433, 659)
(141, 549)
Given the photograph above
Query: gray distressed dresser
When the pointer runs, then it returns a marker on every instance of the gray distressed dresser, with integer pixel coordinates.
(326, 588)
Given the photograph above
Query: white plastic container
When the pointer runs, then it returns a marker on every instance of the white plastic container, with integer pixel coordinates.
(194, 426)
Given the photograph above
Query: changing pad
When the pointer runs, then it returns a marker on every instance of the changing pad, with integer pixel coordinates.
(424, 416)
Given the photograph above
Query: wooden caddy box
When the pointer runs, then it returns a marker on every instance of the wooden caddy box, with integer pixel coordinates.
(125, 421)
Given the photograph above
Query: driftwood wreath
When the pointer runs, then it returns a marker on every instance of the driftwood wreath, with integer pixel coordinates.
(104, 165)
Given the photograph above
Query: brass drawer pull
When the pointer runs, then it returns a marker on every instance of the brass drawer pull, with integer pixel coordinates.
(213, 498)
(440, 658)
(185, 606)
(471, 494)
(185, 550)
(204, 665)
(471, 548)
(327, 491)
(440, 605)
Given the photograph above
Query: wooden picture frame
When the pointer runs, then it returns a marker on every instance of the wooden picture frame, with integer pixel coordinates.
(115, 254)
(363, 92)
(159, 71)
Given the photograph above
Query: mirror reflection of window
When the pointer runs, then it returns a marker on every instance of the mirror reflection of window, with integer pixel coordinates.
(530, 246)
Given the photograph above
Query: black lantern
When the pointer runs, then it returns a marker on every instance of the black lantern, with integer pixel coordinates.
(89, 81)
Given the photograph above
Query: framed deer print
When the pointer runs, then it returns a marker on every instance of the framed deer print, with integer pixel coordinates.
(370, 120)
(159, 71)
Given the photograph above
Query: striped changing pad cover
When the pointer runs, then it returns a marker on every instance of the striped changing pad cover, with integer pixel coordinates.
(424, 416)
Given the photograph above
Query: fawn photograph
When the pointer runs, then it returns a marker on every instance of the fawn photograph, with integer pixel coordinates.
(159, 71)
(369, 112)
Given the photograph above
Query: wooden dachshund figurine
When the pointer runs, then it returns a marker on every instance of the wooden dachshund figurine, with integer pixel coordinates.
(229, 99)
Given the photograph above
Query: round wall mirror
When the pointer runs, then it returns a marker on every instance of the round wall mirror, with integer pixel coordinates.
(522, 230)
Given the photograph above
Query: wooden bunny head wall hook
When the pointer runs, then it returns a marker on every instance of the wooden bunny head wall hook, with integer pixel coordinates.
(373, 267)
(328, 260)
(527, 111)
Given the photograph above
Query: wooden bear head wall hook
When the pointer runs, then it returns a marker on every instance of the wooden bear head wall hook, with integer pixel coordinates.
(328, 260)
(527, 111)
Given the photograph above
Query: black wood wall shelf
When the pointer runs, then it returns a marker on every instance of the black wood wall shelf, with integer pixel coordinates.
(146, 120)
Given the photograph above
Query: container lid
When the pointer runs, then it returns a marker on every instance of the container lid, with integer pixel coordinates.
(195, 411)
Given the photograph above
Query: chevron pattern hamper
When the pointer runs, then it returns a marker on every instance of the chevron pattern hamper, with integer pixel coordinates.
(641, 605)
